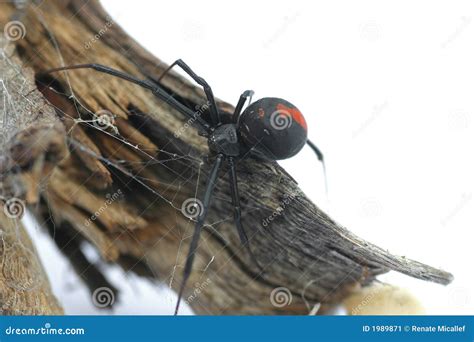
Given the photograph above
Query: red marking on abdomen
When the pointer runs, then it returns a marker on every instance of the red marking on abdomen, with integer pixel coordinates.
(294, 113)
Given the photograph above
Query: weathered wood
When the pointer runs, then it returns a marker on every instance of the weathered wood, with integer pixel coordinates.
(24, 286)
(30, 137)
(149, 151)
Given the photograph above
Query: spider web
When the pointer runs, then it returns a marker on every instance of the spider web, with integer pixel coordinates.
(104, 122)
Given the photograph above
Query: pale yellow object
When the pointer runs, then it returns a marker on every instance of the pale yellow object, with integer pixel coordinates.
(382, 299)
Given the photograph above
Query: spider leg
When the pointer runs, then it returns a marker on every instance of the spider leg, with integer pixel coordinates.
(246, 94)
(320, 156)
(198, 227)
(234, 190)
(202, 82)
(157, 91)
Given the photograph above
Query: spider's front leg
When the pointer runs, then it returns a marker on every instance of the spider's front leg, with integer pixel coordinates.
(238, 109)
(199, 224)
(157, 90)
(215, 117)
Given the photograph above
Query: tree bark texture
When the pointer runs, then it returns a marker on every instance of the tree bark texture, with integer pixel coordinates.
(102, 160)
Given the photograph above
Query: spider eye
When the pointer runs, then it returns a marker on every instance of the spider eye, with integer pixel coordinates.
(274, 127)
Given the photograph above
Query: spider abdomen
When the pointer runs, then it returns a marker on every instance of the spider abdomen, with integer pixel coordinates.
(274, 127)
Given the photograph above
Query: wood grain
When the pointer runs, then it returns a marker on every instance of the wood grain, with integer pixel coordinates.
(304, 251)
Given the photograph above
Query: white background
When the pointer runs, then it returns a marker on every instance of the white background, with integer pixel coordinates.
(386, 88)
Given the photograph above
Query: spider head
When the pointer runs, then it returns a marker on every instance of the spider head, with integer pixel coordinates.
(274, 127)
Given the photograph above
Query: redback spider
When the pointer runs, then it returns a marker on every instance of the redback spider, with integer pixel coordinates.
(271, 127)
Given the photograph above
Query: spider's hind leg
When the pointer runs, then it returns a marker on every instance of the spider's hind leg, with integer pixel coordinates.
(320, 156)
(198, 227)
(237, 212)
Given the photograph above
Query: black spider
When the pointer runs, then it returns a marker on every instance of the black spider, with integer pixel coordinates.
(271, 127)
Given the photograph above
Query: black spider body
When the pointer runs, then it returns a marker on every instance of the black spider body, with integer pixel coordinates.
(270, 126)
(273, 127)
(224, 139)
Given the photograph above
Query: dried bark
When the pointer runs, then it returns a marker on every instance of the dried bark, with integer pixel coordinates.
(303, 249)
(32, 138)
